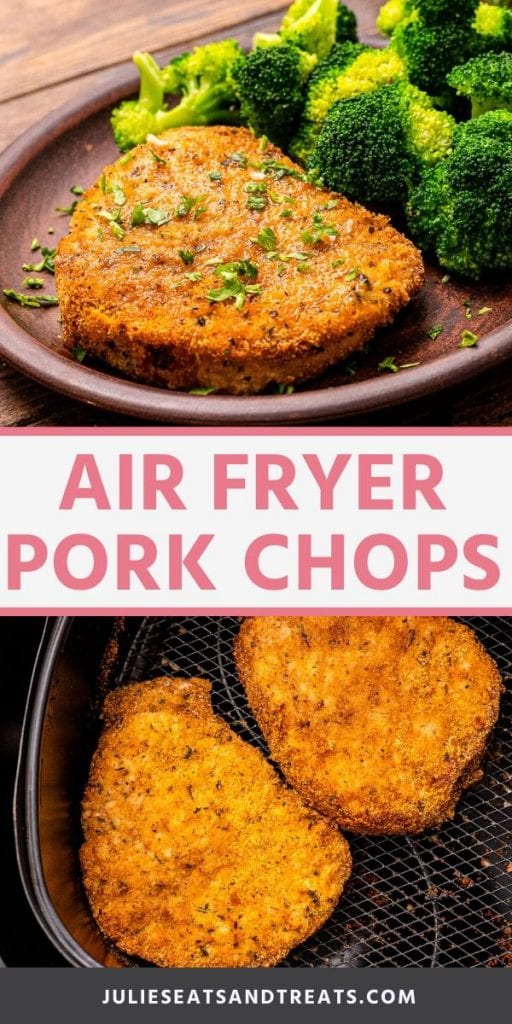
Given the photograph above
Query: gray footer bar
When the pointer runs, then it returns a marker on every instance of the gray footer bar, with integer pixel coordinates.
(419, 996)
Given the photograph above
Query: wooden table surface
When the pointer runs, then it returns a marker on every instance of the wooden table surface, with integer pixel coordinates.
(50, 49)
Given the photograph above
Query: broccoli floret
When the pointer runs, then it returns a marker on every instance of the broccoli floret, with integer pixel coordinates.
(350, 69)
(430, 52)
(270, 85)
(346, 25)
(494, 27)
(392, 13)
(486, 81)
(461, 209)
(372, 147)
(200, 79)
(309, 24)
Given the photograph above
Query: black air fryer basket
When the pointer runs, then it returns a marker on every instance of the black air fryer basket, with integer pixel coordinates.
(443, 899)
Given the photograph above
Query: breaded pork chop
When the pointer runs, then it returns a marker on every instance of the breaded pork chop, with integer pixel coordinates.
(195, 853)
(301, 276)
(380, 723)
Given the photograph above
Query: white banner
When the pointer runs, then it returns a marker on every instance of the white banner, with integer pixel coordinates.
(212, 520)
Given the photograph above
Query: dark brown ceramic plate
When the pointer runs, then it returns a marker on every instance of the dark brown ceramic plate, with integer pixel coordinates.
(70, 147)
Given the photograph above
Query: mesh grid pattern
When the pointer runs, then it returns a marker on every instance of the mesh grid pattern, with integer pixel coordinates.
(437, 900)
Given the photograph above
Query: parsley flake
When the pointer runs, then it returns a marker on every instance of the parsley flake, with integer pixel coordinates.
(266, 239)
(77, 190)
(79, 354)
(148, 215)
(186, 256)
(215, 176)
(33, 282)
(468, 339)
(156, 157)
(320, 231)
(435, 331)
(33, 301)
(203, 391)
(187, 204)
(46, 264)
(484, 310)
(240, 159)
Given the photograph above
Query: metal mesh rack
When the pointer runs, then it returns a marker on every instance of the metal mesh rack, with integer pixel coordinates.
(438, 900)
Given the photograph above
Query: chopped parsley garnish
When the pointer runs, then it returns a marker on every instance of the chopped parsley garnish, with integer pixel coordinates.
(264, 141)
(116, 230)
(286, 214)
(118, 194)
(320, 231)
(256, 187)
(266, 239)
(79, 354)
(435, 331)
(35, 302)
(469, 312)
(337, 263)
(46, 264)
(156, 157)
(233, 286)
(215, 176)
(67, 210)
(469, 340)
(195, 275)
(240, 159)
(35, 245)
(285, 389)
(203, 391)
(186, 256)
(278, 170)
(149, 215)
(331, 204)
(33, 282)
(257, 202)
(189, 203)
(390, 364)
(352, 274)
(127, 158)
(77, 190)
(484, 310)
(280, 199)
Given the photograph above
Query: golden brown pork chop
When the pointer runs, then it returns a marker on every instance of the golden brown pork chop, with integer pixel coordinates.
(380, 723)
(323, 276)
(195, 853)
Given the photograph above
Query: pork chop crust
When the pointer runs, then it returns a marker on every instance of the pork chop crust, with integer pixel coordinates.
(380, 723)
(137, 296)
(195, 853)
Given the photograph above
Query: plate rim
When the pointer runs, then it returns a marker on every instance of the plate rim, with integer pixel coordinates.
(129, 398)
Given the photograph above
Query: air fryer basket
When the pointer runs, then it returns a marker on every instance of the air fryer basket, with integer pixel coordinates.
(439, 900)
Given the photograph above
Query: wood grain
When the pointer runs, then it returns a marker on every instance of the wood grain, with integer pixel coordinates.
(50, 51)
(51, 42)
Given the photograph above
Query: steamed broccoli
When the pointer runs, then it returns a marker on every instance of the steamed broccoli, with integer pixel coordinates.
(372, 147)
(392, 13)
(270, 85)
(346, 25)
(494, 27)
(486, 81)
(350, 69)
(430, 51)
(309, 24)
(200, 78)
(461, 209)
